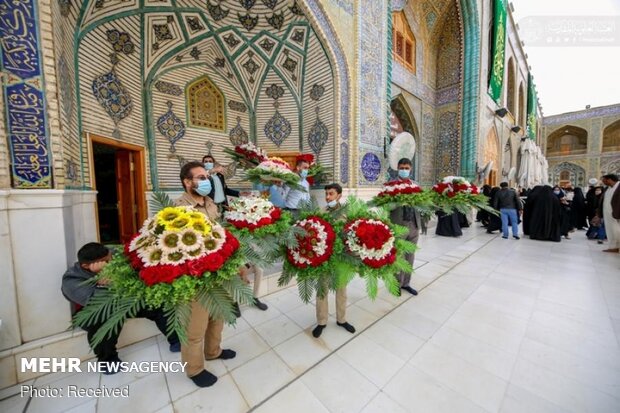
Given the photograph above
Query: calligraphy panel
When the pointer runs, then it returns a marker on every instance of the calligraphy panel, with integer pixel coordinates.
(24, 96)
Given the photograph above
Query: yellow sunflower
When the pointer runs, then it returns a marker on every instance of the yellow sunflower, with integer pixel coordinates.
(181, 222)
(167, 215)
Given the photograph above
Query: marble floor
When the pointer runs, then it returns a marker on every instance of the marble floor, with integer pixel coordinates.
(499, 326)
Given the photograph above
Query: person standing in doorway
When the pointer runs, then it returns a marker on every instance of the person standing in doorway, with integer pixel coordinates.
(611, 212)
(509, 205)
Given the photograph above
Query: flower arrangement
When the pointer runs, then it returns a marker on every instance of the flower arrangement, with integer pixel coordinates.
(252, 213)
(455, 193)
(374, 246)
(247, 155)
(450, 186)
(274, 169)
(317, 173)
(179, 256)
(315, 259)
(316, 246)
(404, 193)
(178, 241)
(371, 240)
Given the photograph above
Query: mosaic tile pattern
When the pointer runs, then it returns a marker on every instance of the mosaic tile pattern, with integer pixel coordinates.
(171, 127)
(113, 97)
(371, 167)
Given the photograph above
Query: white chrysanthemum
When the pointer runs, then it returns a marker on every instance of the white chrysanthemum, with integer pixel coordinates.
(140, 242)
(169, 241)
(151, 256)
(177, 257)
(190, 239)
(354, 244)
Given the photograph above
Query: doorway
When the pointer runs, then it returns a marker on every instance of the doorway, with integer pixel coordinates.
(118, 177)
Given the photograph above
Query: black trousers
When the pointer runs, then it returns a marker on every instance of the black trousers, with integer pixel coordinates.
(106, 350)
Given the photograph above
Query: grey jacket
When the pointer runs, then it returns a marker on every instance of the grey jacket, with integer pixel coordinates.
(73, 286)
(403, 215)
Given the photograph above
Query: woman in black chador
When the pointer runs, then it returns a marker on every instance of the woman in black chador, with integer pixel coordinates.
(578, 210)
(495, 222)
(448, 225)
(482, 216)
(541, 218)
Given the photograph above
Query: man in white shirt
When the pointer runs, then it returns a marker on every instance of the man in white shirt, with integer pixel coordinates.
(295, 196)
(220, 191)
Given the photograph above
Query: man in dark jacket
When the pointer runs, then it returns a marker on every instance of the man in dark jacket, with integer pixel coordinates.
(219, 190)
(509, 204)
(76, 288)
(408, 217)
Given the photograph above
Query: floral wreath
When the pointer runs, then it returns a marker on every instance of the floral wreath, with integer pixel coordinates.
(371, 240)
(247, 155)
(404, 193)
(455, 193)
(178, 257)
(274, 169)
(252, 213)
(316, 246)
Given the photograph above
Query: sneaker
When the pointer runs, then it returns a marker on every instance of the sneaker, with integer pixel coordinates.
(516, 237)
(260, 305)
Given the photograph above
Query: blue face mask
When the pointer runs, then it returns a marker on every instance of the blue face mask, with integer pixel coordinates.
(209, 166)
(332, 204)
(303, 173)
(203, 188)
(404, 173)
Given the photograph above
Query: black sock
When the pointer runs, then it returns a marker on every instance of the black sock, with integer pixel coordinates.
(318, 330)
(204, 379)
(409, 289)
(227, 354)
(347, 327)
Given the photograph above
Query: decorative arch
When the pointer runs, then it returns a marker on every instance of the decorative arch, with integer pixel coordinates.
(611, 167)
(491, 153)
(611, 137)
(182, 24)
(567, 140)
(406, 123)
(522, 106)
(205, 103)
(510, 89)
(574, 175)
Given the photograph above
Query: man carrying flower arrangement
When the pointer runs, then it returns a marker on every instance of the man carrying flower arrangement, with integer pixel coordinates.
(333, 193)
(92, 257)
(408, 217)
(204, 334)
(295, 196)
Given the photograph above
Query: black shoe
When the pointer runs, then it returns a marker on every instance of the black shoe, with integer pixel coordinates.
(599, 242)
(347, 327)
(204, 379)
(515, 237)
(260, 305)
(504, 237)
(227, 354)
(236, 310)
(409, 289)
(318, 330)
(175, 347)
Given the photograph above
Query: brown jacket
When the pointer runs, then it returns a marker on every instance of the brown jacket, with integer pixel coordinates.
(207, 207)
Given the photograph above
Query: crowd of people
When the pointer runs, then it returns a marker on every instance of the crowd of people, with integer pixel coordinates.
(206, 191)
(552, 213)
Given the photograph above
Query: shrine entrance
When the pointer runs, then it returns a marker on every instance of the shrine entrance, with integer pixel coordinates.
(119, 179)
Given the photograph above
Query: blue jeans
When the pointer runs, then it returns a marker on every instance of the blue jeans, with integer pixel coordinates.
(509, 214)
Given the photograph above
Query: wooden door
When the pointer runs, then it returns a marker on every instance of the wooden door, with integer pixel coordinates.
(126, 191)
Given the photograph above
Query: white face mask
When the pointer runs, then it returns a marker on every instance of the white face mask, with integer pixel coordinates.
(332, 204)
